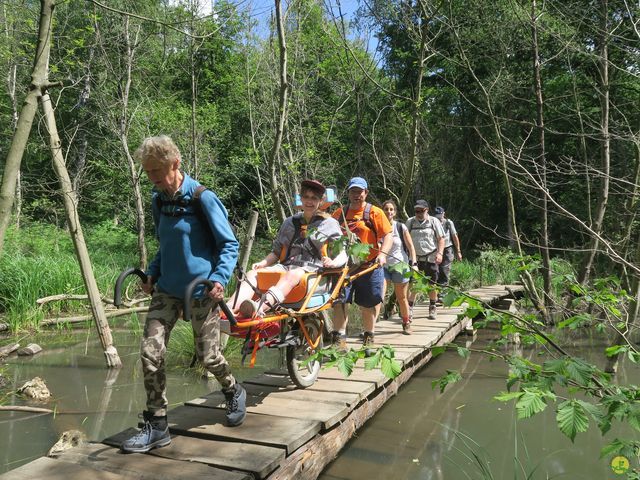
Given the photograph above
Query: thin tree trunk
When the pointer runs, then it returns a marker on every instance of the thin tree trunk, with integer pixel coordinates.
(75, 229)
(83, 100)
(12, 79)
(39, 82)
(124, 140)
(605, 140)
(194, 95)
(542, 159)
(412, 164)
(282, 117)
(248, 242)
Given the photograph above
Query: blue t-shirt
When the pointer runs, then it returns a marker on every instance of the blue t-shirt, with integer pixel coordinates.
(188, 249)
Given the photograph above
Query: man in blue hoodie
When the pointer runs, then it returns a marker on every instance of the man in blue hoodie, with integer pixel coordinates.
(196, 241)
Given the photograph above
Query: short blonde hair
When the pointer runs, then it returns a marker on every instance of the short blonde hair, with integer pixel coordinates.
(160, 149)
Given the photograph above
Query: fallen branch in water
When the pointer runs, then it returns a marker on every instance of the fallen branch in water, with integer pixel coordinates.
(83, 318)
(23, 408)
(69, 296)
(9, 349)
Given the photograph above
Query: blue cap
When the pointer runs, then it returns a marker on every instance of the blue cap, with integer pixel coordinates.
(439, 211)
(358, 182)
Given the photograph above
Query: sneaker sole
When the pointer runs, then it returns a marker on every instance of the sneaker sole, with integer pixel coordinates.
(157, 444)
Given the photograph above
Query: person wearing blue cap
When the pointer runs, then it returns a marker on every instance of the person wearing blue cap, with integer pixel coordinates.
(372, 227)
(451, 240)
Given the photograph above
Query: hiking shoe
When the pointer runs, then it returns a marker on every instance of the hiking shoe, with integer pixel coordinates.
(338, 341)
(406, 328)
(248, 308)
(154, 434)
(236, 398)
(432, 311)
(368, 344)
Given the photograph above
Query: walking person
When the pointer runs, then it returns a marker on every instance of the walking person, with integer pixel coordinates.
(195, 241)
(451, 241)
(428, 240)
(402, 256)
(371, 226)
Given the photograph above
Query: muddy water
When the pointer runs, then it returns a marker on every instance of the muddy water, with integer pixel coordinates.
(89, 397)
(422, 434)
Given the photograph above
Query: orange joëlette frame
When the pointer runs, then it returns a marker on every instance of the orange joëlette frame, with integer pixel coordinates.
(297, 315)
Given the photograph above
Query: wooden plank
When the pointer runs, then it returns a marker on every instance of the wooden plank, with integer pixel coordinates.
(328, 385)
(51, 469)
(342, 398)
(326, 413)
(358, 375)
(308, 462)
(260, 460)
(281, 432)
(107, 459)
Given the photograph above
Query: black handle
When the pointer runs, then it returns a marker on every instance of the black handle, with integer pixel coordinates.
(188, 293)
(117, 294)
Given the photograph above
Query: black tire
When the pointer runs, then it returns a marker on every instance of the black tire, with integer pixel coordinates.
(305, 376)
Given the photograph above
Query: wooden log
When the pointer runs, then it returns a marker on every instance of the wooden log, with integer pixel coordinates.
(248, 243)
(83, 318)
(24, 408)
(67, 296)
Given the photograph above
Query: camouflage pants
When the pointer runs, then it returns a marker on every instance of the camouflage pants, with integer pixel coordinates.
(164, 312)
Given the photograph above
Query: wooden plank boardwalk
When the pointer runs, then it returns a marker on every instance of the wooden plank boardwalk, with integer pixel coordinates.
(288, 432)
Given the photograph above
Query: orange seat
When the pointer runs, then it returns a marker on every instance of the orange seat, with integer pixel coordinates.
(267, 278)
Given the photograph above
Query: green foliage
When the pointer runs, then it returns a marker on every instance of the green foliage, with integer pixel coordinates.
(447, 379)
(382, 357)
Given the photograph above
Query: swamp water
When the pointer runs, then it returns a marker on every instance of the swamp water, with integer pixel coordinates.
(88, 397)
(419, 434)
(423, 434)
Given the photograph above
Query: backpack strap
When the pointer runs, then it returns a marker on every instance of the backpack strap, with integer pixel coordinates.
(400, 230)
(297, 235)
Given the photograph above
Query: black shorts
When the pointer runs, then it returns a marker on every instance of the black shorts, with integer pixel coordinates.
(429, 269)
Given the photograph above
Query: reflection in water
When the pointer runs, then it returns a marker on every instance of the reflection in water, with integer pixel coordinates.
(89, 397)
(422, 434)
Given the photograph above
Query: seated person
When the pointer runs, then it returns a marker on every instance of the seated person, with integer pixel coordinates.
(300, 247)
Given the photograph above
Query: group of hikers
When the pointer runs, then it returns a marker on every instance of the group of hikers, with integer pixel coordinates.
(196, 241)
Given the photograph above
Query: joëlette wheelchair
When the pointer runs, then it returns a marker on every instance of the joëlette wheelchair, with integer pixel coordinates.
(297, 325)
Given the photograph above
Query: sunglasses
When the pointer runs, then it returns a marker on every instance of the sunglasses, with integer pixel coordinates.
(420, 210)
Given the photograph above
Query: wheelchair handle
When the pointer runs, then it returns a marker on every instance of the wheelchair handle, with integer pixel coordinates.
(117, 294)
(188, 293)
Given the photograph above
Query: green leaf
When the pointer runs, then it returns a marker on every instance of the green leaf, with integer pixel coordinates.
(615, 350)
(449, 377)
(345, 365)
(571, 418)
(390, 367)
(530, 403)
(579, 371)
(507, 396)
(372, 362)
(435, 351)
(463, 352)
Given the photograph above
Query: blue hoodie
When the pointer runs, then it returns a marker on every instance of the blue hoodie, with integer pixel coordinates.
(187, 250)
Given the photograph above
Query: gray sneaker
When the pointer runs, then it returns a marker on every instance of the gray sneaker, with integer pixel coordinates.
(338, 341)
(432, 312)
(154, 434)
(236, 398)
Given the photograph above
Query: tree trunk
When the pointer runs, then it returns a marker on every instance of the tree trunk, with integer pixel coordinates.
(39, 82)
(282, 117)
(412, 164)
(75, 229)
(542, 163)
(248, 242)
(124, 141)
(603, 197)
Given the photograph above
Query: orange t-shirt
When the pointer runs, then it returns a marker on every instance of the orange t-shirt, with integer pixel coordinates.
(357, 225)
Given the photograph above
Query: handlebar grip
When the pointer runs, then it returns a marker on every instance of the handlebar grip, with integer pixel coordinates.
(117, 294)
(188, 293)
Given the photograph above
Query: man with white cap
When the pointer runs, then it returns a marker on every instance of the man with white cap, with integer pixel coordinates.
(372, 227)
(428, 239)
